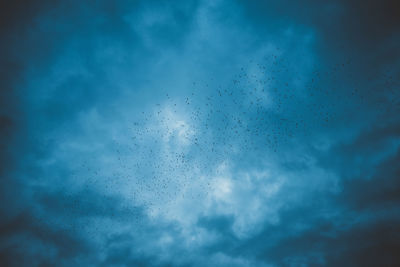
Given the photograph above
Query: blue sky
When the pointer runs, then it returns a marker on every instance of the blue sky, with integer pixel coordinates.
(199, 133)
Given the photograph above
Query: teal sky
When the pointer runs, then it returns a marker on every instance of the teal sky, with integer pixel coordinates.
(199, 133)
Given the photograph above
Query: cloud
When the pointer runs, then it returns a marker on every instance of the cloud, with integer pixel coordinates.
(217, 133)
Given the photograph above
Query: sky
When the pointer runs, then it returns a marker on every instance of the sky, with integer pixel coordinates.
(200, 133)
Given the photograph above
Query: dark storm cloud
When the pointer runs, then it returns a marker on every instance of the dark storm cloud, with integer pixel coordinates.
(15, 19)
(10, 72)
(50, 230)
(369, 244)
(346, 26)
(369, 165)
(27, 239)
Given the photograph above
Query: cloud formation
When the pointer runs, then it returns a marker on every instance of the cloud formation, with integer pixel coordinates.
(199, 133)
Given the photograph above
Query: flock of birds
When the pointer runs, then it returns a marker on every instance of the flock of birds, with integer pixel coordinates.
(185, 137)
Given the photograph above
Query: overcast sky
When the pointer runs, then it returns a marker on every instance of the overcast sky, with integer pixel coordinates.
(200, 133)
